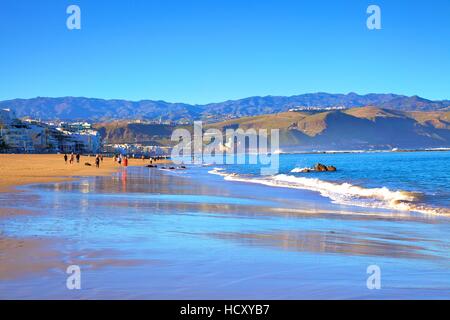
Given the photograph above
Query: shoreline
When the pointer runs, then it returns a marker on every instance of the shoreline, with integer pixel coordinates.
(24, 169)
(350, 186)
(399, 200)
(27, 169)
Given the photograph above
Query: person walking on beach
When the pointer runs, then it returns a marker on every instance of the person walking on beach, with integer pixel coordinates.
(119, 161)
(78, 157)
(71, 158)
(65, 158)
(97, 161)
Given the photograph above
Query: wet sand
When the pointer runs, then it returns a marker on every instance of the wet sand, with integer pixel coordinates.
(24, 256)
(35, 256)
(145, 233)
(22, 169)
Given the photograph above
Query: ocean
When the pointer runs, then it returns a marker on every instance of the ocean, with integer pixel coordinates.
(405, 181)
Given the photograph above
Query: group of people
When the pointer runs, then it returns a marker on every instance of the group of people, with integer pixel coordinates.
(118, 158)
(121, 160)
(72, 158)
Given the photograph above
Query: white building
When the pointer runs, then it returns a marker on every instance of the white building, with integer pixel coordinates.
(14, 133)
(33, 136)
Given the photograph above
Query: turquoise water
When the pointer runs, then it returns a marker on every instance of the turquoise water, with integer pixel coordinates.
(390, 180)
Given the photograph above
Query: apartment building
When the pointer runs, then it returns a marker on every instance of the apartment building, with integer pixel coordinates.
(31, 136)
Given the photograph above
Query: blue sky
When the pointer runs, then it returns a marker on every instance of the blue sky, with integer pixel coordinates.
(200, 51)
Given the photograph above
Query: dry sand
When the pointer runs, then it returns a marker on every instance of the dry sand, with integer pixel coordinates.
(22, 169)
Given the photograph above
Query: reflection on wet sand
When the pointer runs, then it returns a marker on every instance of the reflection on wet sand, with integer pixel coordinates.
(8, 212)
(332, 242)
(35, 255)
(24, 256)
(155, 182)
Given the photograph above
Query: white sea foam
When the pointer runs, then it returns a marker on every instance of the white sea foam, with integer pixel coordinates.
(300, 170)
(218, 171)
(344, 193)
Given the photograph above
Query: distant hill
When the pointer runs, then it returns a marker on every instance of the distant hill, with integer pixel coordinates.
(355, 128)
(124, 132)
(98, 110)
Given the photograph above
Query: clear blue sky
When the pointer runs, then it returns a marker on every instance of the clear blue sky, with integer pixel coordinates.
(200, 51)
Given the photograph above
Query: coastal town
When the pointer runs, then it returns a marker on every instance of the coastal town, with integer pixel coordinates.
(26, 135)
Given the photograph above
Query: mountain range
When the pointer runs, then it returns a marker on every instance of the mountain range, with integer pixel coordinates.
(355, 128)
(100, 110)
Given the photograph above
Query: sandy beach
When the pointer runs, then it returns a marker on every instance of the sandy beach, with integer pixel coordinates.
(23, 169)
(145, 233)
(155, 234)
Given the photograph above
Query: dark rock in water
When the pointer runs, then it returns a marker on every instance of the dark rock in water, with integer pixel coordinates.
(172, 168)
(320, 167)
(182, 167)
(152, 166)
(88, 164)
(323, 168)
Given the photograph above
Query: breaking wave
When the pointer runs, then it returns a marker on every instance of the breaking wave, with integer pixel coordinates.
(300, 170)
(344, 193)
